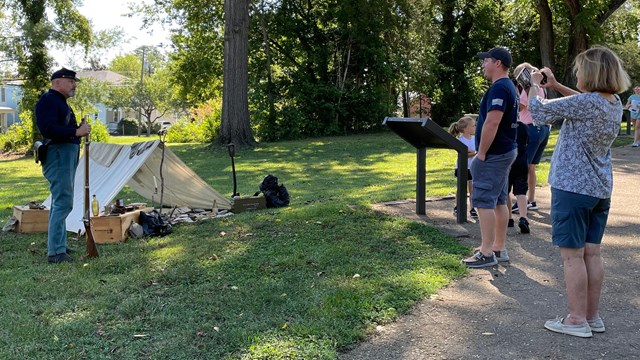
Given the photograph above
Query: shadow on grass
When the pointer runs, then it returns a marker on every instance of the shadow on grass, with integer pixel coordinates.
(299, 281)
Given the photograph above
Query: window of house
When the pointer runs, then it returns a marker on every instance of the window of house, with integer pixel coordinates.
(3, 94)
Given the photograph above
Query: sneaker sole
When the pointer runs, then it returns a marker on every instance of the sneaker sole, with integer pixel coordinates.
(562, 331)
(502, 260)
(477, 266)
(597, 330)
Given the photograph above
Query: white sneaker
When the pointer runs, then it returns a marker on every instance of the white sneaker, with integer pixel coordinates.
(556, 325)
(636, 144)
(596, 325)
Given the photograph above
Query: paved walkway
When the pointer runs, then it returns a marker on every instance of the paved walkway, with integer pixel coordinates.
(498, 313)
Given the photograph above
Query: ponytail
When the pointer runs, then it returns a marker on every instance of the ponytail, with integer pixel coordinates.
(454, 129)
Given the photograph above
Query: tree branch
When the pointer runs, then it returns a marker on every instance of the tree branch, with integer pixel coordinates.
(611, 8)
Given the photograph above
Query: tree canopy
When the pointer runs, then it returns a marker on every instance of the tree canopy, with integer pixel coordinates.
(325, 67)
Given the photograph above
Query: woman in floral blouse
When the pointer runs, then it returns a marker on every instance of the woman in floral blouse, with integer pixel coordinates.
(581, 177)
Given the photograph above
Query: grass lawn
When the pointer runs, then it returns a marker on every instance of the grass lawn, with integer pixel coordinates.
(301, 282)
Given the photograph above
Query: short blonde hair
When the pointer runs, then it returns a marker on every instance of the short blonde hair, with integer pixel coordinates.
(523, 65)
(600, 69)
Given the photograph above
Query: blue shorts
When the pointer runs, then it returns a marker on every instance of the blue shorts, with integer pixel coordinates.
(538, 138)
(577, 219)
(490, 179)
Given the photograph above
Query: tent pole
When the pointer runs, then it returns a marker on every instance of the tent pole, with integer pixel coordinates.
(163, 135)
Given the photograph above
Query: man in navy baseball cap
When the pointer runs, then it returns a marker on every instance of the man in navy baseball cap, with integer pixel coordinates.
(498, 53)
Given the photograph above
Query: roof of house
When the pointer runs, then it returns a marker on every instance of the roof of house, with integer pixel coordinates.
(107, 76)
(12, 82)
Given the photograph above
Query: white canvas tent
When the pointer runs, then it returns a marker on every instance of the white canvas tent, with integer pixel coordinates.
(112, 166)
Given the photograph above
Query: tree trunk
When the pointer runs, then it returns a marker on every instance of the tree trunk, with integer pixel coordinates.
(547, 39)
(578, 41)
(578, 35)
(235, 126)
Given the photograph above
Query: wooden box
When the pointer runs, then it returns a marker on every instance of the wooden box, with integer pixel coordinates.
(31, 220)
(115, 228)
(244, 203)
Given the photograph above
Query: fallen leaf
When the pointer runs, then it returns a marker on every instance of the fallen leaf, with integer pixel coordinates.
(139, 336)
(213, 257)
(356, 276)
(488, 333)
(217, 329)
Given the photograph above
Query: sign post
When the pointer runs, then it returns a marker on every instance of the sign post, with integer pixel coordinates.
(422, 134)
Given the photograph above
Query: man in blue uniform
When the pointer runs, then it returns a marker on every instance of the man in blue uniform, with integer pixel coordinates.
(57, 124)
(496, 144)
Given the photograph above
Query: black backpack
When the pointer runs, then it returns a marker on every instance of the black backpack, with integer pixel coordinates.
(276, 195)
(153, 224)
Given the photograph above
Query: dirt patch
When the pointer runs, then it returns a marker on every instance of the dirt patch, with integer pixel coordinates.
(10, 156)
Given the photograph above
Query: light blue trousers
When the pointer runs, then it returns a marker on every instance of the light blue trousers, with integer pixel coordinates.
(60, 170)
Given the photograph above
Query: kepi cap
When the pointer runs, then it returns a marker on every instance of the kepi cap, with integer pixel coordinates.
(64, 73)
(498, 53)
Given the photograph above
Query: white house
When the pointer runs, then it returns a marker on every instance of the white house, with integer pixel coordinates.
(111, 117)
(106, 115)
(10, 95)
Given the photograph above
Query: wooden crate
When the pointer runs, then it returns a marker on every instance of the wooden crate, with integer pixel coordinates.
(244, 203)
(31, 220)
(114, 229)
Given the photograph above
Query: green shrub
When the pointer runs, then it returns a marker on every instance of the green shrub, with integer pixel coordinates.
(188, 131)
(18, 136)
(99, 131)
(130, 126)
(203, 127)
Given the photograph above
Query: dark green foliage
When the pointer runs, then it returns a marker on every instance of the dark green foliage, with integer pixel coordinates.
(322, 67)
(334, 66)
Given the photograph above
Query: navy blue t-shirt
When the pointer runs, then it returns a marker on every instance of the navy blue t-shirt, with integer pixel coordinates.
(55, 119)
(501, 96)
